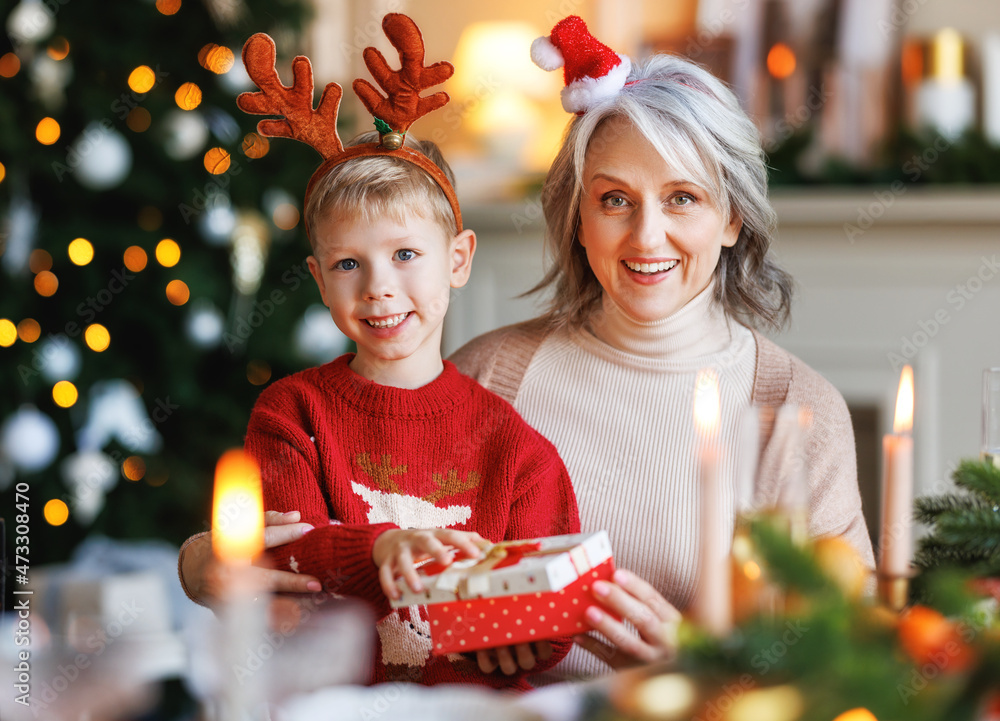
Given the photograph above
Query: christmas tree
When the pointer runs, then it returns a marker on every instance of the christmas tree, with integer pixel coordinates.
(153, 262)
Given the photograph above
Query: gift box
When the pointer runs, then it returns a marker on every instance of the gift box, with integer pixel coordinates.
(518, 592)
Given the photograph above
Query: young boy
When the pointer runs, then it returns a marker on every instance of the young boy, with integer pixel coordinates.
(390, 453)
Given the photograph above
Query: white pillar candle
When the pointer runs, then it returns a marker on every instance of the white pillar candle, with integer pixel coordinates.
(946, 100)
(238, 536)
(713, 607)
(896, 542)
(991, 87)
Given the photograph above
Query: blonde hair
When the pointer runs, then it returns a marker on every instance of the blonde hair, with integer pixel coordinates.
(372, 187)
(696, 124)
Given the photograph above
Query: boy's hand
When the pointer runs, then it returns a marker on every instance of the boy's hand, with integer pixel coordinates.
(396, 551)
(510, 658)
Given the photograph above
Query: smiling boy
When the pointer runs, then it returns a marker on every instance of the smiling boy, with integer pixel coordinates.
(390, 453)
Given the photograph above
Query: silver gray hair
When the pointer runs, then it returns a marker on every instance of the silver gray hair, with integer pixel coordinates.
(698, 127)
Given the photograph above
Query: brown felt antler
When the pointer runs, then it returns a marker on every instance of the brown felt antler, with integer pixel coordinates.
(402, 104)
(317, 128)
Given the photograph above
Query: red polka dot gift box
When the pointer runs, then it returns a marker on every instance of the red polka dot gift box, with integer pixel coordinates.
(518, 592)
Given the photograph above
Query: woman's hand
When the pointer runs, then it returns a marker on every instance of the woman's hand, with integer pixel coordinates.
(510, 658)
(207, 580)
(396, 551)
(634, 600)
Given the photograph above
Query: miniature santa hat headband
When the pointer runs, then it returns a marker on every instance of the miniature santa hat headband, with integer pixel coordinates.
(394, 113)
(592, 71)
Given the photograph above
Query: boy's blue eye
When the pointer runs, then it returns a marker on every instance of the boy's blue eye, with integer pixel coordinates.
(405, 254)
(346, 264)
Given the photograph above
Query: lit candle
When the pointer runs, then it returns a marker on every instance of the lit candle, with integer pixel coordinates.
(991, 87)
(896, 543)
(237, 537)
(946, 101)
(713, 607)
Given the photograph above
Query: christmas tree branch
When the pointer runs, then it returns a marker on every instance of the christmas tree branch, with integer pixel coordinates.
(929, 508)
(980, 478)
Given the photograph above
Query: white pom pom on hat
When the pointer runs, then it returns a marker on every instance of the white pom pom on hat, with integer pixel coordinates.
(546, 55)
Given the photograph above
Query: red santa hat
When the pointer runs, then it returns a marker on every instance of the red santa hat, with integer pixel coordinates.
(591, 69)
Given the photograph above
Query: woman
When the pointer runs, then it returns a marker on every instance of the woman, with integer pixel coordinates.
(659, 225)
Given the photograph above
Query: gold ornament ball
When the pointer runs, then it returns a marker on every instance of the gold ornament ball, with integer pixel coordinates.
(392, 141)
(777, 703)
(841, 563)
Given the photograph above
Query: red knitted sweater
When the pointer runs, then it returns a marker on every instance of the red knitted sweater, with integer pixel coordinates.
(358, 458)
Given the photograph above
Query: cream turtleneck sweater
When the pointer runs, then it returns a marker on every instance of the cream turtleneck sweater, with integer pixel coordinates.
(629, 441)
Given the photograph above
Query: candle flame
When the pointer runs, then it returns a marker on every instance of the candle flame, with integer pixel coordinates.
(903, 422)
(706, 403)
(237, 509)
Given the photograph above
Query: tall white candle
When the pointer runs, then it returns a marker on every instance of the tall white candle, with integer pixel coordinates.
(713, 608)
(238, 536)
(946, 101)
(896, 543)
(991, 87)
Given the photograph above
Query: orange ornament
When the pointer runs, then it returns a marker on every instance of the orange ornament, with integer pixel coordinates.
(930, 638)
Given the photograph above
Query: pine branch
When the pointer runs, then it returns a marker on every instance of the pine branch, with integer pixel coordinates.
(933, 553)
(979, 477)
(974, 530)
(929, 508)
(790, 565)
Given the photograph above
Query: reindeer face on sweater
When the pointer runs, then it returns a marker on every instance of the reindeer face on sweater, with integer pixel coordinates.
(389, 504)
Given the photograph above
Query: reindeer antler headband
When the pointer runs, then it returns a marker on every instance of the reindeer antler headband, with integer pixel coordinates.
(317, 127)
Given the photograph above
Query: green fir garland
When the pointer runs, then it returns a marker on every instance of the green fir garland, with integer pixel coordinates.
(965, 526)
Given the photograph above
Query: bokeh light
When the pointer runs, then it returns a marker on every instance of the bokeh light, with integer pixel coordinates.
(56, 512)
(39, 260)
(220, 60)
(178, 292)
(188, 96)
(135, 258)
(168, 7)
(258, 372)
(59, 48)
(255, 145)
(157, 479)
(97, 337)
(150, 218)
(134, 468)
(46, 283)
(8, 333)
(203, 54)
(142, 79)
(81, 251)
(780, 61)
(285, 216)
(28, 330)
(217, 161)
(10, 64)
(168, 253)
(3, 172)
(138, 120)
(64, 394)
(856, 714)
(47, 131)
